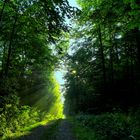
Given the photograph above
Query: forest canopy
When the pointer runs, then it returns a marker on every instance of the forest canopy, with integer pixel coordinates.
(103, 73)
(99, 46)
(31, 36)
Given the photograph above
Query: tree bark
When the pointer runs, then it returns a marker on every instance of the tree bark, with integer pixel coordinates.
(136, 32)
(3, 59)
(10, 48)
(1, 13)
(102, 54)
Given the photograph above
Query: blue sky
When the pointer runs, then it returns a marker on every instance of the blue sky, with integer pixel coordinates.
(60, 73)
(73, 3)
(59, 77)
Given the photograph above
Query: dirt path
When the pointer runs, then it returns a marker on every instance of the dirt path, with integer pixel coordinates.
(59, 130)
(35, 135)
(38, 133)
(64, 131)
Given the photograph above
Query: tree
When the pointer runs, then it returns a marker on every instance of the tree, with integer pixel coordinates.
(30, 34)
(106, 39)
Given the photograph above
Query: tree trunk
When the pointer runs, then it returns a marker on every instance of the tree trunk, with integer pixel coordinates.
(10, 48)
(1, 13)
(102, 54)
(136, 32)
(111, 57)
(3, 59)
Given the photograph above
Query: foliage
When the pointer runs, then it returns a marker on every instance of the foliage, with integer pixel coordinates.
(105, 58)
(16, 119)
(107, 126)
(30, 49)
(82, 133)
(56, 108)
(30, 34)
(103, 71)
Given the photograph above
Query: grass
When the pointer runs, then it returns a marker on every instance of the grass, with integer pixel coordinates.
(24, 131)
(107, 126)
(29, 129)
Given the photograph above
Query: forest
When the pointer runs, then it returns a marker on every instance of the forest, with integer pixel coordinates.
(97, 42)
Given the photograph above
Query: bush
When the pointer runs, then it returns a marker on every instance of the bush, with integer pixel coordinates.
(111, 126)
(15, 118)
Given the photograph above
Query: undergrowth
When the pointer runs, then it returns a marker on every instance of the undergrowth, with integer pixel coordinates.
(83, 133)
(108, 126)
(16, 120)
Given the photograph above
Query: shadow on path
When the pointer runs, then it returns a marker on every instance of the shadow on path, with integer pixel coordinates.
(55, 130)
(64, 131)
(42, 132)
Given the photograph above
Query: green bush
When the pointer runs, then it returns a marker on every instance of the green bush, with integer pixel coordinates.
(15, 118)
(111, 126)
(135, 122)
(83, 133)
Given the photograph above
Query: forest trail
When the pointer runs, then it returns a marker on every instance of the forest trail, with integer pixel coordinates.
(58, 130)
(64, 131)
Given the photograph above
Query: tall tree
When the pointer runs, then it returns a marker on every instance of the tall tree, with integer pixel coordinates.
(106, 39)
(30, 38)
